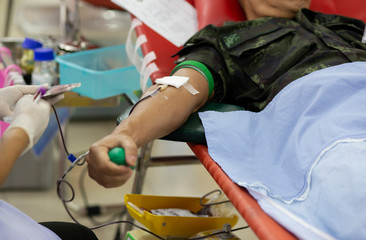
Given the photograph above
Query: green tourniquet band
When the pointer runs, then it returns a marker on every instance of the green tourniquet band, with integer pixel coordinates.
(201, 68)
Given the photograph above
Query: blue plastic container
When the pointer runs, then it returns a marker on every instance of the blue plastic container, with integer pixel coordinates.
(102, 72)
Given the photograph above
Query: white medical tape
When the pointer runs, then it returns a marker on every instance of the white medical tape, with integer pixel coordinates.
(364, 36)
(190, 89)
(150, 69)
(177, 82)
(136, 59)
(139, 41)
(130, 50)
(142, 64)
(147, 59)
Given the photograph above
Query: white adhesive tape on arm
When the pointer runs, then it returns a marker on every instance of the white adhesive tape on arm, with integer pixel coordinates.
(190, 89)
(177, 82)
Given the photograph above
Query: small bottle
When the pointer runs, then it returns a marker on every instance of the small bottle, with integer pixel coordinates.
(27, 59)
(12, 72)
(44, 67)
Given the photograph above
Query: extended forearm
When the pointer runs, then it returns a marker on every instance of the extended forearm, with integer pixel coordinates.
(12, 144)
(165, 111)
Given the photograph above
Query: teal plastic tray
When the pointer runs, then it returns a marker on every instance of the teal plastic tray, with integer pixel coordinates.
(102, 72)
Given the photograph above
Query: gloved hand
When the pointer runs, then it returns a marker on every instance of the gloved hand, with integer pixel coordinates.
(10, 95)
(32, 117)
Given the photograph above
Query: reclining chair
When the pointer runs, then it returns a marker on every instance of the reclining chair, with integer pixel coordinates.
(216, 12)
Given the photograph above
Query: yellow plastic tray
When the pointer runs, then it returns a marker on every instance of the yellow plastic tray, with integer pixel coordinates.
(172, 225)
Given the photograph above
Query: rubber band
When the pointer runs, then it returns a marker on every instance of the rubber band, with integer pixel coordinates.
(201, 68)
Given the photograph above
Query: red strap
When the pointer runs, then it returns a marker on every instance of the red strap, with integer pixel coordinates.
(262, 224)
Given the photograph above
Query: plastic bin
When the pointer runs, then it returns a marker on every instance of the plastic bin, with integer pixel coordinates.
(103, 72)
(172, 225)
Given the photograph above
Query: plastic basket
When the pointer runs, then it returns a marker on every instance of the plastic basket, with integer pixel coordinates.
(103, 72)
(172, 225)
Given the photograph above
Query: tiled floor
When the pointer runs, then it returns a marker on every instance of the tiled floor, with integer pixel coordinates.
(44, 205)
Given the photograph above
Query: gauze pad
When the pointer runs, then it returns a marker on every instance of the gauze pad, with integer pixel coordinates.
(177, 82)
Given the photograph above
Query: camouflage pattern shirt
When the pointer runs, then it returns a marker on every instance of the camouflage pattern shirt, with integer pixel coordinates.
(252, 61)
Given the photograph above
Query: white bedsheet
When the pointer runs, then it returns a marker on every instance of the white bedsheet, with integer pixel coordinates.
(282, 153)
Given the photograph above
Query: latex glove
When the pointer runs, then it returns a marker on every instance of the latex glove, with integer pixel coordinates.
(32, 117)
(10, 95)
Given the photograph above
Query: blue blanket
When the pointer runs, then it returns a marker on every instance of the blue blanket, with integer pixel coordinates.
(274, 152)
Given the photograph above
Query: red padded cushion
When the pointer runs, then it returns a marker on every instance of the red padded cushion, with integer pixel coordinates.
(218, 11)
(349, 8)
